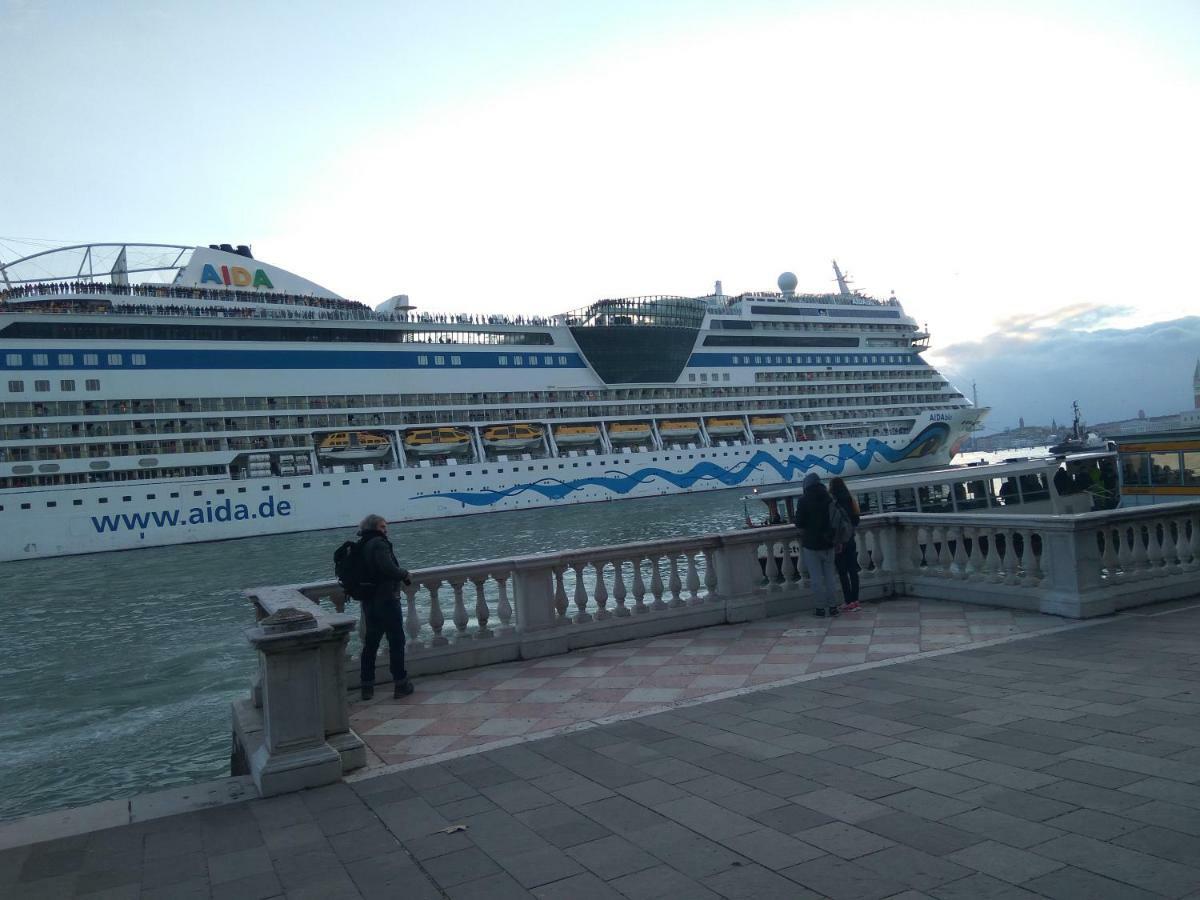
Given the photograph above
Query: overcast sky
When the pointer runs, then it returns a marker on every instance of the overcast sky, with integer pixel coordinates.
(986, 161)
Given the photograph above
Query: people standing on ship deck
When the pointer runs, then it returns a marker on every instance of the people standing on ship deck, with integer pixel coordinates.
(381, 608)
(846, 559)
(816, 543)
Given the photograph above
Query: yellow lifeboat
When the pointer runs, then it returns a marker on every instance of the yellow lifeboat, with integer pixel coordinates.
(724, 427)
(512, 437)
(679, 429)
(767, 424)
(628, 432)
(353, 446)
(437, 441)
(574, 435)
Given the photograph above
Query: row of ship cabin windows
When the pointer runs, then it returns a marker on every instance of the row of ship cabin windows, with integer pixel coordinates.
(43, 385)
(174, 495)
(16, 360)
(864, 359)
(503, 360)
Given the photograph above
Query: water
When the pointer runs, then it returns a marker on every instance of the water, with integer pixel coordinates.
(117, 670)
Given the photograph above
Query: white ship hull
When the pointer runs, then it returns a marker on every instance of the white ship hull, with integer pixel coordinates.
(228, 509)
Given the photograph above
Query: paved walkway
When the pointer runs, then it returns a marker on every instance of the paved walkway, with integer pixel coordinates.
(486, 706)
(1062, 765)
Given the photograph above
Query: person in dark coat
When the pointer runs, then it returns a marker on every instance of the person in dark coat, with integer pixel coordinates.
(816, 544)
(846, 559)
(381, 608)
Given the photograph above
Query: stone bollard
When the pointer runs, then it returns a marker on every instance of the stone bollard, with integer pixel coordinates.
(290, 752)
(334, 704)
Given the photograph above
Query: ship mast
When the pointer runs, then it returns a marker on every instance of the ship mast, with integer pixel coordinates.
(843, 287)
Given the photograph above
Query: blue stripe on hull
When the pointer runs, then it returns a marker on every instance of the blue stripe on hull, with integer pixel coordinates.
(929, 441)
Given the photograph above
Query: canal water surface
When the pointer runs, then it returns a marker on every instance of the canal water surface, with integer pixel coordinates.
(117, 670)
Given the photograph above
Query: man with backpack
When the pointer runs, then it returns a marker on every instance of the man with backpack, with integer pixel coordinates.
(823, 528)
(369, 572)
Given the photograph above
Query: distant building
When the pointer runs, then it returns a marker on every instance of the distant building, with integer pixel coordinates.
(1196, 384)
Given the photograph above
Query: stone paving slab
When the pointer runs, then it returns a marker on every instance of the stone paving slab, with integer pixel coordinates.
(889, 785)
(487, 706)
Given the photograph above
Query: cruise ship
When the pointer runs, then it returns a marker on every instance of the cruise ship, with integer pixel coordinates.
(160, 394)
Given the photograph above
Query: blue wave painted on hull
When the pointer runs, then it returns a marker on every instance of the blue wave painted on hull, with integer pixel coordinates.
(931, 439)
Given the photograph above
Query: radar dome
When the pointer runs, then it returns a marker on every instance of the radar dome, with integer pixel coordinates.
(787, 282)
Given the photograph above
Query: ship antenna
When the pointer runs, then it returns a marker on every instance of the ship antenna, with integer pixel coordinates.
(841, 280)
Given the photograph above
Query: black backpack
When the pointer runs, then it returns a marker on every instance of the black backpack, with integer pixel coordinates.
(350, 566)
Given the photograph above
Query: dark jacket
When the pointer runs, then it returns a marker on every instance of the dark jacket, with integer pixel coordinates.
(385, 572)
(812, 518)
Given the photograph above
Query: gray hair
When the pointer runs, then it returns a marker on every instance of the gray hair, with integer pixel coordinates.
(372, 523)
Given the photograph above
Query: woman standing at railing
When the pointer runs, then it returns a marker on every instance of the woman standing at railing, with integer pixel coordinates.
(846, 559)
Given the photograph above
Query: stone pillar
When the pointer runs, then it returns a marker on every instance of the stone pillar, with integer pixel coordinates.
(1072, 585)
(533, 595)
(739, 576)
(292, 753)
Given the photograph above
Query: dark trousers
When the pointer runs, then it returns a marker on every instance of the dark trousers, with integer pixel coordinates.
(383, 619)
(846, 563)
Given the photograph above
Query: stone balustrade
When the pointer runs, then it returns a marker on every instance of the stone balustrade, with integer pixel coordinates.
(478, 613)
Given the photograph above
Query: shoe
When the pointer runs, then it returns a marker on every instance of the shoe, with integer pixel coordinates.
(819, 612)
(833, 611)
(853, 607)
(368, 691)
(402, 689)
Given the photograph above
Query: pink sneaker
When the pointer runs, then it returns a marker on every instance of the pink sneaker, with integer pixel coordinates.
(853, 607)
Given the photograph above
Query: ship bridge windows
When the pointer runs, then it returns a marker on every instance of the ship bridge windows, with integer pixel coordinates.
(41, 359)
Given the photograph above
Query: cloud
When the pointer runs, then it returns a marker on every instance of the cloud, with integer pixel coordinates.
(1034, 366)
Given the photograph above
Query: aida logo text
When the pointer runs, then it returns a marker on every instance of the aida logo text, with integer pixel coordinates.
(235, 276)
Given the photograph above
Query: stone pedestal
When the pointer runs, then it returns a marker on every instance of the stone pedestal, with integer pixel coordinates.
(290, 752)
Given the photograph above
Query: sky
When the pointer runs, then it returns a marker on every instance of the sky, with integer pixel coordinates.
(1015, 172)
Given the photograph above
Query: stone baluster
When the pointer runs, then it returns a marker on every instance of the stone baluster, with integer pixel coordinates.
(600, 595)
(560, 592)
(412, 621)
(693, 580)
(958, 559)
(581, 597)
(868, 553)
(639, 588)
(1010, 563)
(656, 583)
(1193, 543)
(1155, 557)
(674, 583)
(619, 588)
(1108, 554)
(460, 607)
(970, 567)
(482, 613)
(936, 552)
(1179, 547)
(436, 620)
(710, 577)
(921, 551)
(503, 604)
(1029, 560)
(1125, 553)
(1141, 559)
(985, 546)
(792, 564)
